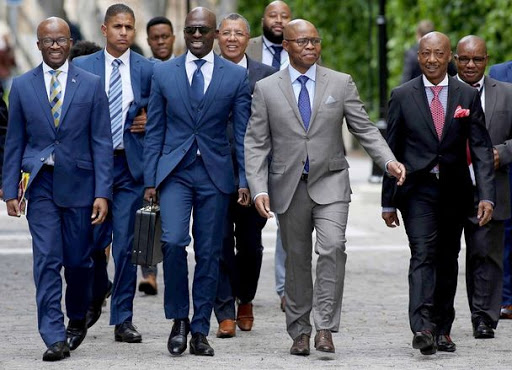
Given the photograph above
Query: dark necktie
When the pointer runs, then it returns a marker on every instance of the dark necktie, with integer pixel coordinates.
(276, 58)
(197, 86)
(115, 103)
(304, 109)
(437, 111)
(468, 153)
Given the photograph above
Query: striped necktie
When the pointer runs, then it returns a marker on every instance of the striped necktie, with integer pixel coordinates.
(115, 103)
(55, 96)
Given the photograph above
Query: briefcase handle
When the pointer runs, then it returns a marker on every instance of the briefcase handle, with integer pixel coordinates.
(152, 207)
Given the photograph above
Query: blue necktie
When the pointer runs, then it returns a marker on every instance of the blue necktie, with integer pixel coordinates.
(55, 96)
(115, 103)
(276, 59)
(304, 109)
(197, 86)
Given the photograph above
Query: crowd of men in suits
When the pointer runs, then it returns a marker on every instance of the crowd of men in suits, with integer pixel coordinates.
(231, 141)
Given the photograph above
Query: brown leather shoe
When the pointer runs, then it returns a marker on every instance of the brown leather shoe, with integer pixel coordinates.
(245, 317)
(506, 312)
(323, 341)
(148, 285)
(227, 329)
(300, 346)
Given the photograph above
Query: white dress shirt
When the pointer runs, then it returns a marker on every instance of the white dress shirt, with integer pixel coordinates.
(267, 53)
(206, 69)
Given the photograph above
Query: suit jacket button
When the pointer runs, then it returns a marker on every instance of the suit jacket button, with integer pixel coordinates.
(57, 142)
(42, 159)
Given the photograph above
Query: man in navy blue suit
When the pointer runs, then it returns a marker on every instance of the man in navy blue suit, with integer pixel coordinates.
(128, 102)
(59, 133)
(187, 157)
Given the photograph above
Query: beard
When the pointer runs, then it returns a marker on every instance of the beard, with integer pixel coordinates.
(271, 36)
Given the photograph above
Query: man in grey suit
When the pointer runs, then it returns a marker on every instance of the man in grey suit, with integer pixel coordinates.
(297, 115)
(484, 244)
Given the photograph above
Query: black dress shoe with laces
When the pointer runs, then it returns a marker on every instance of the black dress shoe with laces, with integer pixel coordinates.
(94, 310)
(126, 332)
(424, 341)
(76, 332)
(199, 345)
(481, 330)
(56, 352)
(177, 343)
(445, 343)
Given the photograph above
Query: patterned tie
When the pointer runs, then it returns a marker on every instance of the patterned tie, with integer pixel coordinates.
(437, 110)
(55, 97)
(197, 85)
(304, 109)
(115, 103)
(276, 57)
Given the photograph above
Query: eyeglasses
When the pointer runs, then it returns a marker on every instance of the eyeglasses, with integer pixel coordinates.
(48, 42)
(466, 60)
(237, 34)
(203, 30)
(302, 42)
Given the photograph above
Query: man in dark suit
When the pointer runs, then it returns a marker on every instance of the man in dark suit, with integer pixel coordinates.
(484, 245)
(3, 130)
(187, 158)
(503, 72)
(238, 275)
(437, 196)
(126, 77)
(59, 133)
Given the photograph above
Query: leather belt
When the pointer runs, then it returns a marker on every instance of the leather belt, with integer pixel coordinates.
(119, 152)
(304, 177)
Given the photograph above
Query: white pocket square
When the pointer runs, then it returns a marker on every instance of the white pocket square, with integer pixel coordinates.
(330, 100)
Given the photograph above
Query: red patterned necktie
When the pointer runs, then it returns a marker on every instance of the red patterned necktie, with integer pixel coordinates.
(437, 110)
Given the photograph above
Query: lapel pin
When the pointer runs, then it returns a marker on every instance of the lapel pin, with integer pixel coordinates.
(73, 80)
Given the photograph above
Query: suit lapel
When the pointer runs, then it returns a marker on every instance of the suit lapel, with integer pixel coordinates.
(71, 86)
(320, 87)
(490, 100)
(183, 84)
(420, 98)
(42, 96)
(453, 100)
(98, 66)
(135, 77)
(285, 84)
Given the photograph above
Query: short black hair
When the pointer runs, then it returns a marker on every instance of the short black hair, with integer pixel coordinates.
(159, 20)
(83, 48)
(115, 9)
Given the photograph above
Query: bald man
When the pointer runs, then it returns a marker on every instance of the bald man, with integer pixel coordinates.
(297, 115)
(59, 133)
(430, 120)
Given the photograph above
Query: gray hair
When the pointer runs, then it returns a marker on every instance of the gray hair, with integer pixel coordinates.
(235, 17)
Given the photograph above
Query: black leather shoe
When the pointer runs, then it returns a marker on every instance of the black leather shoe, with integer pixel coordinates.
(76, 332)
(445, 343)
(126, 332)
(199, 345)
(177, 343)
(482, 331)
(56, 352)
(424, 341)
(94, 310)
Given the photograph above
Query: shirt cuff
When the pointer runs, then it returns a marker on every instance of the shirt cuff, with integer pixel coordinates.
(388, 209)
(386, 165)
(488, 201)
(257, 195)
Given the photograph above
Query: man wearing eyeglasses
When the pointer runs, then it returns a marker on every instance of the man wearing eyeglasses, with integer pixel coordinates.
(431, 121)
(59, 133)
(187, 157)
(484, 244)
(297, 115)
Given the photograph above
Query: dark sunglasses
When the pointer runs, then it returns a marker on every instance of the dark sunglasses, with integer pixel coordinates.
(203, 30)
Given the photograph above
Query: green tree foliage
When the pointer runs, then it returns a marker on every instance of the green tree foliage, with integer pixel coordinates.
(349, 32)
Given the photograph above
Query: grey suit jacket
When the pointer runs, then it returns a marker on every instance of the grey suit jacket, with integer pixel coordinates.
(498, 119)
(255, 48)
(276, 127)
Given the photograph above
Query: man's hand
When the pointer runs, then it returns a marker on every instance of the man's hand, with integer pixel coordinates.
(244, 197)
(139, 122)
(150, 195)
(484, 214)
(262, 204)
(99, 211)
(13, 208)
(391, 219)
(397, 170)
(2, 194)
(496, 158)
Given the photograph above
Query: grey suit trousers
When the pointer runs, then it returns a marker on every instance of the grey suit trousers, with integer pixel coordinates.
(325, 297)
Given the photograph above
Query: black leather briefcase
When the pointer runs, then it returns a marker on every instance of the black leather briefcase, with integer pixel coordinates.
(147, 247)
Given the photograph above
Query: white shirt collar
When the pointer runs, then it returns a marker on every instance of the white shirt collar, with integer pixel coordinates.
(125, 57)
(268, 43)
(63, 68)
(427, 83)
(191, 57)
(310, 73)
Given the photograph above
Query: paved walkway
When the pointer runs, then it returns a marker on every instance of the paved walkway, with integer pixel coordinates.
(374, 330)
